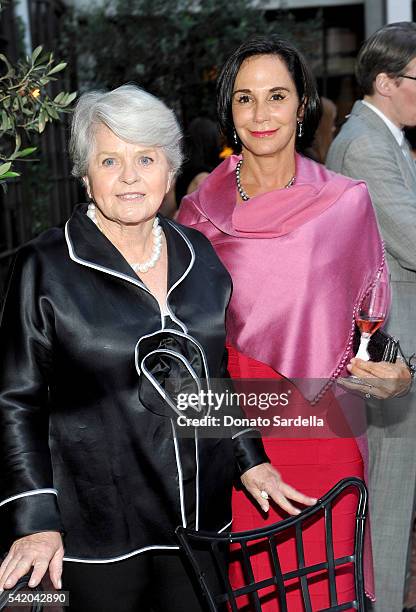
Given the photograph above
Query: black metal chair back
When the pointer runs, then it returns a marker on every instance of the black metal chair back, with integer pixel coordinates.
(192, 541)
(21, 584)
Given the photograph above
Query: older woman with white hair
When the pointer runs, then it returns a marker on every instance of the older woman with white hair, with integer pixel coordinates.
(98, 317)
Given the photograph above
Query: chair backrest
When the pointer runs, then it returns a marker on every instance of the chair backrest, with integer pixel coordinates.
(21, 584)
(226, 597)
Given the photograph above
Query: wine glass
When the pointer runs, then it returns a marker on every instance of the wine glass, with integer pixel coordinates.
(371, 314)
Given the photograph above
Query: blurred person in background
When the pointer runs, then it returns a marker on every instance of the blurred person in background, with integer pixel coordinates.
(325, 131)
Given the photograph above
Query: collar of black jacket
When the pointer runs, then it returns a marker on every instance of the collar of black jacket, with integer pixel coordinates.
(88, 246)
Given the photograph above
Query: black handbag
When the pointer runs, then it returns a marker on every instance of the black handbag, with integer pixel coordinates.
(381, 347)
(22, 583)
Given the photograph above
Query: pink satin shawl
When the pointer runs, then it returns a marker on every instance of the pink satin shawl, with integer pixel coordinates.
(300, 260)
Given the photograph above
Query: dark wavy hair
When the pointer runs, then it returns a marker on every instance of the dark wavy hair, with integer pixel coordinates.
(298, 69)
(388, 50)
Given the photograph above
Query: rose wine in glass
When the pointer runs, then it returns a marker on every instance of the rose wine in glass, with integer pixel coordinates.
(368, 325)
(371, 315)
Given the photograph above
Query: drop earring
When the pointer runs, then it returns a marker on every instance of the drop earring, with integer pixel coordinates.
(300, 129)
(235, 136)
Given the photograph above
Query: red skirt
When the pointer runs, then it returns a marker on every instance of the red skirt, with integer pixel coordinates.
(312, 466)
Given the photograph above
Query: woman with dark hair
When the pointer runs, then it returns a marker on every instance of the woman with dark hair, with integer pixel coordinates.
(291, 234)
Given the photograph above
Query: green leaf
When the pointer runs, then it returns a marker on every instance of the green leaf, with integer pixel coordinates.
(42, 121)
(60, 97)
(36, 53)
(57, 68)
(26, 152)
(40, 67)
(52, 112)
(6, 123)
(4, 59)
(5, 168)
(9, 175)
(69, 98)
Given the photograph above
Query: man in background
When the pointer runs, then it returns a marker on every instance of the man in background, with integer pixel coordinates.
(371, 146)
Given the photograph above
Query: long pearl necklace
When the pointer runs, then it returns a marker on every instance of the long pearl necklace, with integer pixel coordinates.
(241, 191)
(157, 242)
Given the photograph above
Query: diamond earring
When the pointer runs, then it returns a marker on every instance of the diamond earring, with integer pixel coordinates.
(300, 129)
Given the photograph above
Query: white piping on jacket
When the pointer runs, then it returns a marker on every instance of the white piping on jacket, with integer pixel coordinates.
(89, 264)
(28, 494)
(243, 431)
(188, 269)
(134, 552)
(157, 386)
(225, 527)
(180, 474)
(196, 479)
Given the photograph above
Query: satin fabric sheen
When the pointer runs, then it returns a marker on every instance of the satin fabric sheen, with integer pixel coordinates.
(311, 279)
(71, 418)
(300, 260)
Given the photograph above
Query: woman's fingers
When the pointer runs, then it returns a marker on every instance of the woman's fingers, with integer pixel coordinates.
(16, 569)
(8, 570)
(284, 503)
(39, 570)
(284, 492)
(38, 551)
(297, 496)
(257, 496)
(363, 386)
(263, 481)
(3, 568)
(381, 369)
(379, 379)
(55, 568)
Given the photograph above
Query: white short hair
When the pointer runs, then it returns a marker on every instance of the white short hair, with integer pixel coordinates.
(134, 115)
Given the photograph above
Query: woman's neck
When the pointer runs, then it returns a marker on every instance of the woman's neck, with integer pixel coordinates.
(260, 174)
(134, 241)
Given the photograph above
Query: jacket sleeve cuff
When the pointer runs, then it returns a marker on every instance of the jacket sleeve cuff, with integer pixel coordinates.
(26, 515)
(249, 451)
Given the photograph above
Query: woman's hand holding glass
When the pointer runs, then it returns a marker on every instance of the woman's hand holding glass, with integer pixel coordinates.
(380, 379)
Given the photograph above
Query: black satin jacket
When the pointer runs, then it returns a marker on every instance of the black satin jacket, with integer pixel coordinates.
(80, 452)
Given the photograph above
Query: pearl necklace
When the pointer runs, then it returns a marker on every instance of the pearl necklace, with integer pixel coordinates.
(241, 191)
(157, 242)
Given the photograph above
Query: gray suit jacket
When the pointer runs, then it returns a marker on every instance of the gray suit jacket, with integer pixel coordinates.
(366, 149)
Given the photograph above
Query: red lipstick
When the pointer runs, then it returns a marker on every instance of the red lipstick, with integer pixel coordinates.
(263, 134)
